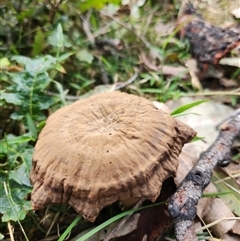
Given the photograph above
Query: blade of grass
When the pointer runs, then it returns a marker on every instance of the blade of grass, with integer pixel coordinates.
(70, 227)
(186, 107)
(113, 219)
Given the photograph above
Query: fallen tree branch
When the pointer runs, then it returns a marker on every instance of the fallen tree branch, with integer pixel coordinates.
(208, 43)
(183, 204)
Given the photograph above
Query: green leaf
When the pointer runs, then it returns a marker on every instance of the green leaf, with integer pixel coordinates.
(187, 107)
(38, 65)
(65, 56)
(56, 38)
(197, 138)
(59, 36)
(152, 90)
(11, 98)
(20, 175)
(60, 68)
(61, 91)
(85, 5)
(70, 227)
(4, 62)
(39, 42)
(85, 56)
(13, 205)
(16, 116)
(31, 127)
(45, 102)
(17, 139)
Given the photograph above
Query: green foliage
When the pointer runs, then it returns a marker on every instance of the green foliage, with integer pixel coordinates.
(51, 53)
(26, 88)
(70, 227)
(97, 4)
(157, 86)
(16, 156)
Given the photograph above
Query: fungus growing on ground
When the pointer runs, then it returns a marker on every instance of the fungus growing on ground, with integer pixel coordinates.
(106, 148)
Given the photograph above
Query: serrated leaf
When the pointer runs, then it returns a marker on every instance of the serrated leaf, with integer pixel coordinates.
(11, 98)
(45, 102)
(38, 65)
(20, 175)
(85, 56)
(13, 205)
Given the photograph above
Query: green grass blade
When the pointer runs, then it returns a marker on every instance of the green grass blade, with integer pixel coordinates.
(186, 107)
(115, 218)
(70, 227)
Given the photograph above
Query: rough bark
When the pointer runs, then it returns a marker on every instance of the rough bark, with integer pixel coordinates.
(182, 205)
(208, 43)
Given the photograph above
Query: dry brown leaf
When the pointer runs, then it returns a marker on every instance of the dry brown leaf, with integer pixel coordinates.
(164, 69)
(204, 204)
(219, 210)
(164, 29)
(236, 228)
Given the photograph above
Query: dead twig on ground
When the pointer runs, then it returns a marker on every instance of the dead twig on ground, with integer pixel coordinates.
(208, 43)
(121, 85)
(182, 205)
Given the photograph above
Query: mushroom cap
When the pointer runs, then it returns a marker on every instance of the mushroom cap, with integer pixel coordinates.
(106, 148)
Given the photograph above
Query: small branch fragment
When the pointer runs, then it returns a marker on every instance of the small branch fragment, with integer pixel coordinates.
(182, 205)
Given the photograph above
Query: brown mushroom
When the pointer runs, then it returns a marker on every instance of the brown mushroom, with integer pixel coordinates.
(106, 148)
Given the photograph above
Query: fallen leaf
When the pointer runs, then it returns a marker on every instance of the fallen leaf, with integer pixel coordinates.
(221, 228)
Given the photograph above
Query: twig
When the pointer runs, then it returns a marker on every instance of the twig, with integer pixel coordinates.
(182, 205)
(128, 82)
(10, 231)
(52, 223)
(123, 221)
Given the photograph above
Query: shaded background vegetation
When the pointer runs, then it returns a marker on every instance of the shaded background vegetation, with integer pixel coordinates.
(54, 52)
